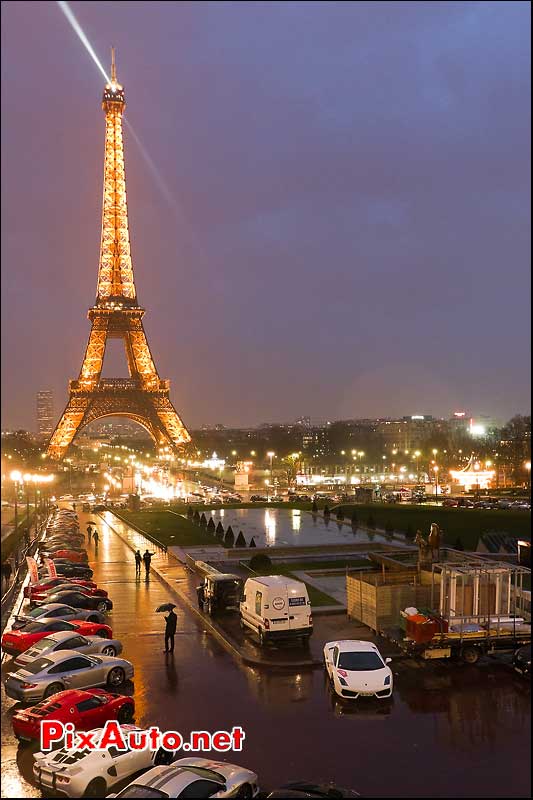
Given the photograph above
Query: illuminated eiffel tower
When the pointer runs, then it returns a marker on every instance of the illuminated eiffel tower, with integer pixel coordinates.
(142, 397)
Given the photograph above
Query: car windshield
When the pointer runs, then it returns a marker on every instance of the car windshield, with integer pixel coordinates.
(38, 665)
(360, 662)
(141, 791)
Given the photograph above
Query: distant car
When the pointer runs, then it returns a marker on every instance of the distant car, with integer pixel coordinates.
(66, 669)
(86, 507)
(84, 708)
(276, 498)
(78, 600)
(98, 507)
(303, 498)
(303, 789)
(258, 498)
(194, 777)
(16, 642)
(55, 611)
(51, 583)
(92, 773)
(356, 669)
(522, 660)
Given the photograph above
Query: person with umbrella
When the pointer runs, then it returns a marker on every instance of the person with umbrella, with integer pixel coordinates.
(138, 562)
(170, 626)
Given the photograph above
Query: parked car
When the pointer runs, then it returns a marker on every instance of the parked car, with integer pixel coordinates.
(258, 498)
(357, 669)
(15, 642)
(69, 640)
(51, 583)
(92, 773)
(276, 607)
(68, 569)
(92, 591)
(276, 498)
(55, 611)
(522, 660)
(43, 677)
(76, 556)
(84, 708)
(220, 592)
(303, 789)
(78, 600)
(194, 777)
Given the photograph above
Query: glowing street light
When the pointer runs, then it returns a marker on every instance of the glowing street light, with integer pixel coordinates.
(16, 477)
(436, 471)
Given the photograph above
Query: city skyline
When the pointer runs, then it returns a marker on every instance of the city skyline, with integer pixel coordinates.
(376, 257)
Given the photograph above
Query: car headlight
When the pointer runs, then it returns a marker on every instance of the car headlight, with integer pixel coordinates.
(386, 682)
(342, 681)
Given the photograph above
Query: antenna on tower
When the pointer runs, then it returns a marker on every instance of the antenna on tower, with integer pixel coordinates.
(113, 67)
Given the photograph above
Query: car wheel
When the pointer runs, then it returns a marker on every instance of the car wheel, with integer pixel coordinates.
(102, 606)
(96, 788)
(470, 655)
(245, 792)
(116, 677)
(108, 650)
(103, 634)
(163, 758)
(92, 618)
(125, 713)
(54, 688)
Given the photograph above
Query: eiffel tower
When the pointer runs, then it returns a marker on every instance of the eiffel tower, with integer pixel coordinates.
(143, 397)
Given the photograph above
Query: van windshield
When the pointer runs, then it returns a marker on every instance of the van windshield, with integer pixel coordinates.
(360, 662)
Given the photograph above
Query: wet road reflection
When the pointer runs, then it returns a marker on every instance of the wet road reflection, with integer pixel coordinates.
(449, 730)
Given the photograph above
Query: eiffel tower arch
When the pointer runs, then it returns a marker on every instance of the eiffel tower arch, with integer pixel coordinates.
(143, 397)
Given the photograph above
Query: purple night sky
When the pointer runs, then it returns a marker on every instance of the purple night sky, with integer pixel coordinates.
(348, 230)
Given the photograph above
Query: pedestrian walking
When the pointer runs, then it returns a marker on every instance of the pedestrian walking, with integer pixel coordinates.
(170, 631)
(147, 558)
(6, 573)
(89, 533)
(96, 537)
(138, 562)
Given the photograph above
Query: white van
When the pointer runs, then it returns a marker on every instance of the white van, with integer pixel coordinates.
(276, 607)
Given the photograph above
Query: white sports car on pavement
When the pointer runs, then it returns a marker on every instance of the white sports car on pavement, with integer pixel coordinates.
(193, 777)
(357, 669)
(91, 773)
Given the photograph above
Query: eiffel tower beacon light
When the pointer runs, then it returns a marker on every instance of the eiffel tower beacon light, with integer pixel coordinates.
(143, 397)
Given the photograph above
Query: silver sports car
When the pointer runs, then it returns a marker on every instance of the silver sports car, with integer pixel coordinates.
(66, 669)
(68, 640)
(57, 611)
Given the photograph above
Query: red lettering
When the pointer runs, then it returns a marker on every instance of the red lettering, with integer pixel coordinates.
(153, 735)
(221, 741)
(137, 740)
(200, 740)
(69, 736)
(51, 731)
(238, 738)
(85, 740)
(172, 740)
(112, 735)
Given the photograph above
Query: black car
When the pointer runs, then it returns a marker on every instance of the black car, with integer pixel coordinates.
(303, 789)
(258, 498)
(78, 600)
(98, 507)
(69, 569)
(522, 660)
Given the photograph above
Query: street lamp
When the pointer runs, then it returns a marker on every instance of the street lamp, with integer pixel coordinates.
(16, 477)
(436, 471)
(527, 465)
(271, 455)
(417, 456)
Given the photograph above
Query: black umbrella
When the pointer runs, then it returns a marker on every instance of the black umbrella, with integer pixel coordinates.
(166, 607)
(91, 522)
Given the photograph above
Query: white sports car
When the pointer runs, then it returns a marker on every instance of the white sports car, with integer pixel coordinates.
(357, 669)
(193, 777)
(91, 773)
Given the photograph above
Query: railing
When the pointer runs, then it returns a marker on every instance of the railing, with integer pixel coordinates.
(18, 576)
(119, 383)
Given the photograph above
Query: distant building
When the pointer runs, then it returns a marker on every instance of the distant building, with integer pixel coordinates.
(45, 413)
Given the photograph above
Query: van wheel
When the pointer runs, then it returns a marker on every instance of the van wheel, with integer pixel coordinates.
(261, 637)
(470, 655)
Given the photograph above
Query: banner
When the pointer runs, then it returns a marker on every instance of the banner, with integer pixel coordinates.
(51, 567)
(32, 569)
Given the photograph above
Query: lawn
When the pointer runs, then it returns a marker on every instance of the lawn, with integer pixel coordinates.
(168, 528)
(466, 525)
(316, 596)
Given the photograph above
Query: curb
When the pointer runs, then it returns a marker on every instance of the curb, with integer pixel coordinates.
(215, 629)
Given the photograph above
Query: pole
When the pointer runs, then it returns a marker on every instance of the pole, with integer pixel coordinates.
(16, 505)
(27, 508)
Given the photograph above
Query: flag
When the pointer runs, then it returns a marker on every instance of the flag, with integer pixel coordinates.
(32, 569)
(51, 567)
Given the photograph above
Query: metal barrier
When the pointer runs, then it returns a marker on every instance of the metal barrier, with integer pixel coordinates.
(19, 575)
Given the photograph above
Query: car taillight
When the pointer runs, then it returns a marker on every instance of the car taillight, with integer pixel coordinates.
(342, 672)
(267, 624)
(28, 685)
(310, 619)
(62, 779)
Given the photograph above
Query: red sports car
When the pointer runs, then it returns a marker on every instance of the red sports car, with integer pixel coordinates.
(86, 709)
(51, 583)
(39, 596)
(15, 642)
(78, 556)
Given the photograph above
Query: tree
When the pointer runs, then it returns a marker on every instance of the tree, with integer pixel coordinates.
(229, 538)
(203, 521)
(340, 513)
(220, 530)
(260, 563)
(252, 542)
(240, 541)
(327, 512)
(211, 525)
(196, 517)
(190, 511)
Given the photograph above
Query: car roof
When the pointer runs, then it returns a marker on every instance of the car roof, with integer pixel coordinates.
(174, 778)
(62, 636)
(276, 581)
(354, 646)
(222, 576)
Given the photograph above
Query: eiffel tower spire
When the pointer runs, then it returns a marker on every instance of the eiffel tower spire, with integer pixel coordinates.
(143, 397)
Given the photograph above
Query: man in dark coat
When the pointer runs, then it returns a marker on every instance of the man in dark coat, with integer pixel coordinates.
(170, 631)
(138, 562)
(147, 558)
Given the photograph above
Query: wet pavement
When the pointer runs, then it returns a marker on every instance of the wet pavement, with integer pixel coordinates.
(450, 730)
